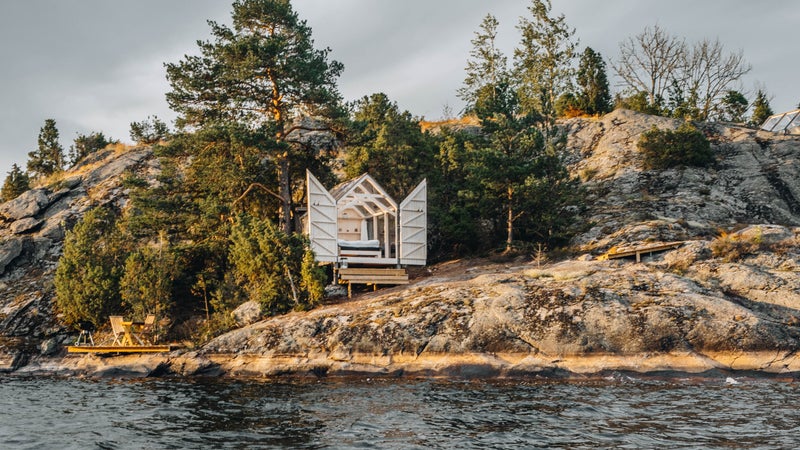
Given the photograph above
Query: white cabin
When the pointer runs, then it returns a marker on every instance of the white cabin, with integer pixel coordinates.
(357, 222)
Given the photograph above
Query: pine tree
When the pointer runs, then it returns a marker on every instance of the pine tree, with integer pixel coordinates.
(389, 144)
(88, 272)
(149, 131)
(268, 266)
(262, 73)
(48, 158)
(543, 61)
(86, 144)
(15, 184)
(522, 184)
(487, 64)
(594, 96)
(146, 284)
(761, 109)
(733, 106)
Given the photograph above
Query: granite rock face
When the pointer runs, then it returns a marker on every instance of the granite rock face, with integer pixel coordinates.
(532, 318)
(32, 231)
(28, 204)
(754, 181)
(727, 298)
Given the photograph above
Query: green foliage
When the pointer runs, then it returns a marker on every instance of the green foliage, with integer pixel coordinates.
(543, 61)
(454, 212)
(48, 158)
(733, 106)
(149, 131)
(388, 144)
(312, 278)
(639, 102)
(146, 284)
(15, 184)
(267, 265)
(260, 74)
(593, 91)
(680, 105)
(487, 64)
(568, 105)
(89, 270)
(685, 146)
(86, 144)
(515, 174)
(761, 109)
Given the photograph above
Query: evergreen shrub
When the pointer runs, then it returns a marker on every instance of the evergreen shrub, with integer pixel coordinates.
(686, 146)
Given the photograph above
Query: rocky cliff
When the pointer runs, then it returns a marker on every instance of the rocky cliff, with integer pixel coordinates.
(727, 298)
(32, 228)
(754, 181)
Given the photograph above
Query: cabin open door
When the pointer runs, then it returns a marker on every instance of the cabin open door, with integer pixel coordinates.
(322, 225)
(414, 227)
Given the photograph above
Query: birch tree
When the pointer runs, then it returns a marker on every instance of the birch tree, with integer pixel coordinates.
(710, 73)
(649, 61)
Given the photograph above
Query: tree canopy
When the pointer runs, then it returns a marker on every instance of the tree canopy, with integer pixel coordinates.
(16, 183)
(691, 80)
(761, 109)
(48, 158)
(594, 96)
(86, 144)
(487, 64)
(543, 61)
(262, 73)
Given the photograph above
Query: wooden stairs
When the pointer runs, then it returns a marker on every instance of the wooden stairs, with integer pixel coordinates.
(371, 276)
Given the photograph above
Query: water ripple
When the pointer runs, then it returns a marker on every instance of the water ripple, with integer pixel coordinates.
(619, 412)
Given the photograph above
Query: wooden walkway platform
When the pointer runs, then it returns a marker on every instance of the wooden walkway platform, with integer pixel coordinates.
(118, 348)
(639, 251)
(371, 276)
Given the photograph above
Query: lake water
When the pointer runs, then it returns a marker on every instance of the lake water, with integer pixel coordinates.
(618, 411)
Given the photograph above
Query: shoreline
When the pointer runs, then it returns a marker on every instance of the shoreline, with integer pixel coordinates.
(466, 366)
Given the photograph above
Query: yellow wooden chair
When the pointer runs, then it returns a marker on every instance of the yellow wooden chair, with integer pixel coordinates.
(117, 328)
(148, 327)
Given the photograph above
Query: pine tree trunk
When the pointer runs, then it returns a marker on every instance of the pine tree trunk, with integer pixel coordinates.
(286, 195)
(510, 222)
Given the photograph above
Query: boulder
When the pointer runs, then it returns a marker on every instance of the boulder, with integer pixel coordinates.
(766, 234)
(27, 204)
(10, 249)
(25, 225)
(333, 291)
(247, 313)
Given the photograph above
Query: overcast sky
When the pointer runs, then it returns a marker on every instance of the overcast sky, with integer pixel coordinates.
(97, 65)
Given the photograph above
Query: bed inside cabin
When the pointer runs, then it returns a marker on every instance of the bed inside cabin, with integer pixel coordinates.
(362, 232)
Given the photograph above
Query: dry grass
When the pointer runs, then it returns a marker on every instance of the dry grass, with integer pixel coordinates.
(82, 168)
(732, 247)
(427, 125)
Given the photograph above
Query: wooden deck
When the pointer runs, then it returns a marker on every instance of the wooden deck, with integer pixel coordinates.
(371, 276)
(639, 251)
(118, 348)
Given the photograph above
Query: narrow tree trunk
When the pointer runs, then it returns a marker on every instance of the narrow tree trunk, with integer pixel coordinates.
(286, 195)
(510, 222)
